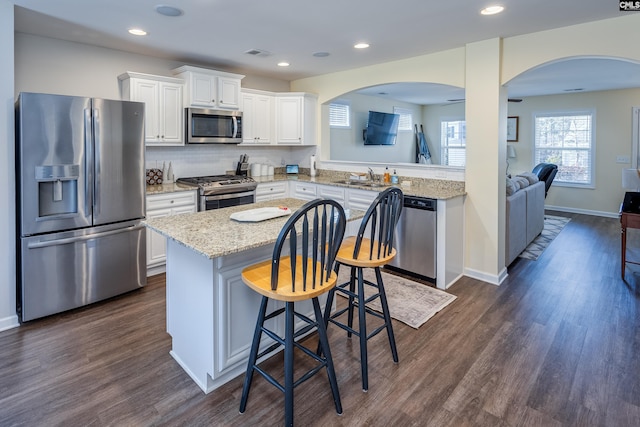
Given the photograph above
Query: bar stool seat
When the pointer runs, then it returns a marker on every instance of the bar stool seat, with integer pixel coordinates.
(314, 233)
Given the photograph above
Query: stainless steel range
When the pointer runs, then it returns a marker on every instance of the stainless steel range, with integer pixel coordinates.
(221, 191)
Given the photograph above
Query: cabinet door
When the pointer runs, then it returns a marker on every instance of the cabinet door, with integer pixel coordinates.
(262, 118)
(228, 93)
(333, 193)
(171, 113)
(289, 120)
(148, 91)
(248, 118)
(156, 243)
(203, 90)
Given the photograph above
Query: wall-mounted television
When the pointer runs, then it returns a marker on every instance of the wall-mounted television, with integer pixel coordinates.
(382, 128)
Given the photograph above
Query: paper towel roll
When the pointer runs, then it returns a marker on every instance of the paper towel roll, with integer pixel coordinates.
(312, 167)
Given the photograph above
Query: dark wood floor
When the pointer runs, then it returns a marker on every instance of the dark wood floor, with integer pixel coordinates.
(557, 344)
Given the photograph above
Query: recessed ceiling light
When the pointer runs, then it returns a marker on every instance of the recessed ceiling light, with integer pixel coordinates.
(492, 10)
(361, 45)
(168, 10)
(283, 64)
(137, 32)
(321, 54)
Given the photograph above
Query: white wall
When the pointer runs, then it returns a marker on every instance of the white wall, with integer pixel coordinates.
(8, 316)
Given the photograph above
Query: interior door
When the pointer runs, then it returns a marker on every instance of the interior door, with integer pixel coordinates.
(119, 186)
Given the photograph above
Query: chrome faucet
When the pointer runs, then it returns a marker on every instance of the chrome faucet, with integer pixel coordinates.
(371, 175)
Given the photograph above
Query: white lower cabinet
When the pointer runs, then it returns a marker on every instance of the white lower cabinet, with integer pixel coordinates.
(303, 190)
(333, 193)
(272, 190)
(160, 205)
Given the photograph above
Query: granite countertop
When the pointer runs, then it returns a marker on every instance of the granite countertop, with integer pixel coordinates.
(420, 187)
(168, 188)
(213, 234)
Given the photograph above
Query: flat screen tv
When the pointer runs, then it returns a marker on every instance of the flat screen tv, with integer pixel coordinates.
(382, 128)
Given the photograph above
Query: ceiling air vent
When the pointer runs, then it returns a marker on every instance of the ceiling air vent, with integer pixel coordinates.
(258, 52)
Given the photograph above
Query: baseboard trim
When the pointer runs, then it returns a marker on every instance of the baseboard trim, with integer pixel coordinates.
(9, 322)
(485, 277)
(582, 211)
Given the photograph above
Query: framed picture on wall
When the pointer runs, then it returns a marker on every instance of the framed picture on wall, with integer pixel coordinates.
(512, 129)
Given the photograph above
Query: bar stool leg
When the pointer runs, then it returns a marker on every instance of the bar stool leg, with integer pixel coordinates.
(253, 355)
(362, 324)
(387, 316)
(324, 343)
(288, 364)
(352, 288)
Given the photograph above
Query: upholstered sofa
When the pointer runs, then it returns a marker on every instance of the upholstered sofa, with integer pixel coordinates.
(525, 213)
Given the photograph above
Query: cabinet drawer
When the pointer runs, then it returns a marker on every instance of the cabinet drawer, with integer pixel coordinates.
(171, 200)
(272, 189)
(304, 190)
(333, 193)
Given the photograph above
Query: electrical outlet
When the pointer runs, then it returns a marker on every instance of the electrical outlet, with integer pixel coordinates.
(623, 159)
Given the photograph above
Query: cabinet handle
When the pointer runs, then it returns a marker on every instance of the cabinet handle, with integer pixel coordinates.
(172, 201)
(213, 100)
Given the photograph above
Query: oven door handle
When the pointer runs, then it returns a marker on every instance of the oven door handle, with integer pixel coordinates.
(228, 195)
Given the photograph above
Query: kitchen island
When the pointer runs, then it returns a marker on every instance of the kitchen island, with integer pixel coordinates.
(211, 314)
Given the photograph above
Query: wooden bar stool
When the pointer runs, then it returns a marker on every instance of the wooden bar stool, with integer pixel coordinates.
(314, 233)
(360, 252)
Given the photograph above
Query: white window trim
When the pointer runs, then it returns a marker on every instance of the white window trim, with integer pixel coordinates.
(592, 112)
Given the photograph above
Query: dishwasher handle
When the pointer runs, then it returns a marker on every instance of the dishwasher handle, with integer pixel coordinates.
(422, 203)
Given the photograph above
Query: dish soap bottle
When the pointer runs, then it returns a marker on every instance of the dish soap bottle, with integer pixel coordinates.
(394, 177)
(387, 177)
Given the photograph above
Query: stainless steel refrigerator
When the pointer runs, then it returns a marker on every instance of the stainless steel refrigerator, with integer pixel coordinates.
(80, 201)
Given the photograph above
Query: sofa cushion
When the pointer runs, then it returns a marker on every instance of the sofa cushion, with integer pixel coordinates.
(512, 187)
(522, 182)
(530, 176)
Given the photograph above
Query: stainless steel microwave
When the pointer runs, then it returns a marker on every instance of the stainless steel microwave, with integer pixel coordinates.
(204, 126)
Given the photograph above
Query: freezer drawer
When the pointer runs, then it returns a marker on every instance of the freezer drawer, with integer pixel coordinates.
(66, 270)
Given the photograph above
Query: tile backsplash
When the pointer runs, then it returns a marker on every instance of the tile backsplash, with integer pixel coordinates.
(201, 160)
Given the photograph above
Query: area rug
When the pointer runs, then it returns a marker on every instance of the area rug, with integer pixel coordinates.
(553, 225)
(409, 302)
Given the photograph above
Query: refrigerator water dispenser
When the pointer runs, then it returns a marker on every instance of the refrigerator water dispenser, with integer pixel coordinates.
(57, 190)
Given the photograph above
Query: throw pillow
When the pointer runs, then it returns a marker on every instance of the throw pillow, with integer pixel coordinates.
(521, 181)
(531, 177)
(512, 187)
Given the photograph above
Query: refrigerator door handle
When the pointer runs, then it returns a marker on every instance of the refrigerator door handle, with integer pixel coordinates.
(47, 243)
(88, 168)
(96, 163)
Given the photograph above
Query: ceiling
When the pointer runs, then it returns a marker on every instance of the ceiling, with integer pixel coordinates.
(217, 33)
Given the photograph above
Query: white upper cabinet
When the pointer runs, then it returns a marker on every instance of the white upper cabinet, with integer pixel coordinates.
(162, 97)
(296, 119)
(209, 88)
(257, 117)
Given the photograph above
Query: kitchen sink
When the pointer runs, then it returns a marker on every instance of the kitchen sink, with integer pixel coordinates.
(346, 181)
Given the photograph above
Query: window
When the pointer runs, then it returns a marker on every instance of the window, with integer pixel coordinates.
(566, 139)
(406, 118)
(339, 115)
(453, 138)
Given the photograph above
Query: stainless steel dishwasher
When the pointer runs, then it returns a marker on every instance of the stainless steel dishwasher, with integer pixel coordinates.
(416, 238)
